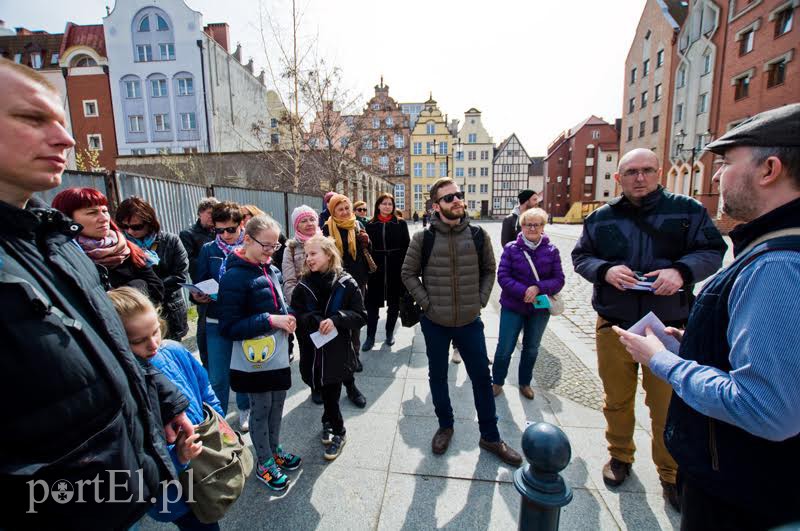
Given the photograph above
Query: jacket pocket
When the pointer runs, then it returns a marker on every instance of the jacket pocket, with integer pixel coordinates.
(611, 243)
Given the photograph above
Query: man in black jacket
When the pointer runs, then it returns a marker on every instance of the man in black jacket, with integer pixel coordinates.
(195, 237)
(87, 432)
(510, 230)
(647, 233)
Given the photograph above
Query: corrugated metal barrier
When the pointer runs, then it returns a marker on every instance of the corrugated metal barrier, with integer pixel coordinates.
(76, 179)
(175, 203)
(270, 202)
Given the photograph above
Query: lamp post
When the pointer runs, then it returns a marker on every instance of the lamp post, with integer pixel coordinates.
(680, 136)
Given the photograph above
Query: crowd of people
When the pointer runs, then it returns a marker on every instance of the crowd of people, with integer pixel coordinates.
(95, 311)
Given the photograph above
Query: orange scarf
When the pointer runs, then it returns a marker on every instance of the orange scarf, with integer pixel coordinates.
(348, 224)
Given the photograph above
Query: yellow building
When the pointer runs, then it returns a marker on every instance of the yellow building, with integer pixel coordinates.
(431, 157)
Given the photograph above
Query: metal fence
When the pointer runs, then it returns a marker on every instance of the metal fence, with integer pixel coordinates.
(270, 202)
(76, 179)
(175, 203)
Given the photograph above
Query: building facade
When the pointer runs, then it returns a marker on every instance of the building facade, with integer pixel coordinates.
(510, 175)
(412, 110)
(536, 175)
(430, 154)
(473, 169)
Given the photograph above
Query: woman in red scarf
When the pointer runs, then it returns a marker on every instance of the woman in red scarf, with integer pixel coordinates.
(119, 261)
(389, 237)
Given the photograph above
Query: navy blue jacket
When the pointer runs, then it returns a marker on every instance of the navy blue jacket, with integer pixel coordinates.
(248, 294)
(208, 263)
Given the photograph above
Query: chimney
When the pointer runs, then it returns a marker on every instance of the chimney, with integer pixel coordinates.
(249, 65)
(238, 53)
(261, 77)
(219, 31)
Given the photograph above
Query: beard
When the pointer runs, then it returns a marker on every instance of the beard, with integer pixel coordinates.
(739, 202)
(449, 214)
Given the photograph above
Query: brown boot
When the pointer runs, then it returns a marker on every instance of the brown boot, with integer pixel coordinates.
(503, 451)
(526, 391)
(615, 472)
(441, 440)
(497, 389)
(672, 495)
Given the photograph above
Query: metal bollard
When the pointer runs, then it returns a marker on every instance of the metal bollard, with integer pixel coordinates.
(543, 489)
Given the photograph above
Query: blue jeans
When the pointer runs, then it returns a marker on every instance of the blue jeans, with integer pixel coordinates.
(471, 344)
(511, 323)
(219, 368)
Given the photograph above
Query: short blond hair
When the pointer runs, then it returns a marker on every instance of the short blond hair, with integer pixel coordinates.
(533, 213)
(29, 73)
(327, 246)
(130, 303)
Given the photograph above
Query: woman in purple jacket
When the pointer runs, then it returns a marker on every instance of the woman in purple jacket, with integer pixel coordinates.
(522, 297)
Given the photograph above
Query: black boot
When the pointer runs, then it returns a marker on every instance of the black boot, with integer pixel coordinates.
(389, 336)
(368, 344)
(316, 397)
(355, 396)
(391, 321)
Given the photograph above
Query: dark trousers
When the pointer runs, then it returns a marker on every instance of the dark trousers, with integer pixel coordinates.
(189, 522)
(202, 343)
(392, 311)
(471, 344)
(330, 403)
(355, 335)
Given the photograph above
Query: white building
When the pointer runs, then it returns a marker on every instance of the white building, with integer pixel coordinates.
(607, 158)
(174, 85)
(473, 154)
(510, 175)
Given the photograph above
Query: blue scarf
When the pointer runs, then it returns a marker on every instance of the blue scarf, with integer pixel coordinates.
(150, 256)
(226, 250)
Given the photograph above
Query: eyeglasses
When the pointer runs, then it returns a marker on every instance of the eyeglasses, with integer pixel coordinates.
(274, 246)
(449, 198)
(533, 226)
(229, 230)
(633, 173)
(138, 226)
(361, 210)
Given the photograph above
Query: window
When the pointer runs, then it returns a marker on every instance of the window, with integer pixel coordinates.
(376, 106)
(644, 99)
(702, 103)
(679, 112)
(484, 188)
(471, 172)
(383, 162)
(313, 143)
(144, 53)
(590, 152)
(430, 169)
(366, 160)
(641, 129)
(742, 88)
(367, 143)
(376, 123)
(162, 122)
(186, 87)
(656, 120)
(430, 128)
(161, 24)
(658, 93)
(136, 123)
(633, 75)
(158, 87)
(138, 151)
(485, 154)
(399, 141)
(659, 58)
(418, 203)
(459, 172)
(595, 134)
(776, 73)
(429, 148)
(54, 59)
(606, 193)
(95, 142)
(389, 121)
(18, 58)
(443, 169)
(188, 121)
(681, 80)
(783, 20)
(90, 108)
(746, 42)
(417, 169)
(645, 67)
(631, 105)
(609, 158)
(400, 196)
(144, 24)
(472, 138)
(471, 155)
(608, 176)
(470, 188)
(275, 139)
(496, 203)
(442, 148)
(484, 172)
(630, 133)
(167, 51)
(471, 204)
(273, 122)
(417, 148)
(706, 63)
(399, 165)
(36, 60)
(383, 143)
(133, 89)
(459, 155)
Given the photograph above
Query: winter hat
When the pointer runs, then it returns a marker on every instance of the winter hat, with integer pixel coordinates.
(303, 211)
(328, 197)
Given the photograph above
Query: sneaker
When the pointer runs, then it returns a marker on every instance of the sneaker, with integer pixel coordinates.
(327, 434)
(244, 420)
(271, 475)
(333, 450)
(286, 460)
(456, 356)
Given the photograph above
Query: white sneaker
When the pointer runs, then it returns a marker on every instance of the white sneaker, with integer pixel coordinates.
(456, 356)
(244, 420)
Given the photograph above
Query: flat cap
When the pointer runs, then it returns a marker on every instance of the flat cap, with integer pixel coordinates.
(524, 195)
(774, 128)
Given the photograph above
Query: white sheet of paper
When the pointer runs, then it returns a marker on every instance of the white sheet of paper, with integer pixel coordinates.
(209, 287)
(321, 339)
(657, 326)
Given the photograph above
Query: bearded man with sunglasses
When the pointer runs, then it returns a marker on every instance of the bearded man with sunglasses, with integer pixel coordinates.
(646, 235)
(456, 283)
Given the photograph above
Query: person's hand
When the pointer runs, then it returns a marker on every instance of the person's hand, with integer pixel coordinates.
(201, 298)
(620, 276)
(326, 327)
(363, 239)
(669, 281)
(180, 423)
(531, 293)
(188, 447)
(675, 332)
(642, 348)
(284, 322)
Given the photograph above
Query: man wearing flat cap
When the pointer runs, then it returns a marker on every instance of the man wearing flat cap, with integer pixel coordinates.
(510, 231)
(734, 421)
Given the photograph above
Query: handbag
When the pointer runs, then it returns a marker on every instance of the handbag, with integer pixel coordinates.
(218, 474)
(556, 302)
(370, 261)
(410, 311)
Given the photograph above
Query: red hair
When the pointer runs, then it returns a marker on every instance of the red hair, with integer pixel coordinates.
(69, 200)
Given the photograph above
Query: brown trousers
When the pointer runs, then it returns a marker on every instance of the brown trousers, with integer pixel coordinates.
(619, 374)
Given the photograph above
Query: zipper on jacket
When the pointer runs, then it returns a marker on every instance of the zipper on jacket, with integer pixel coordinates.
(385, 263)
(712, 445)
(454, 263)
(639, 266)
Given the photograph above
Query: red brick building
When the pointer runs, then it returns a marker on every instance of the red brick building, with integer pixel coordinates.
(84, 64)
(572, 161)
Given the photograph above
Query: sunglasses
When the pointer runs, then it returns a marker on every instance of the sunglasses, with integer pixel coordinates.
(273, 246)
(138, 226)
(449, 198)
(229, 230)
(361, 210)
